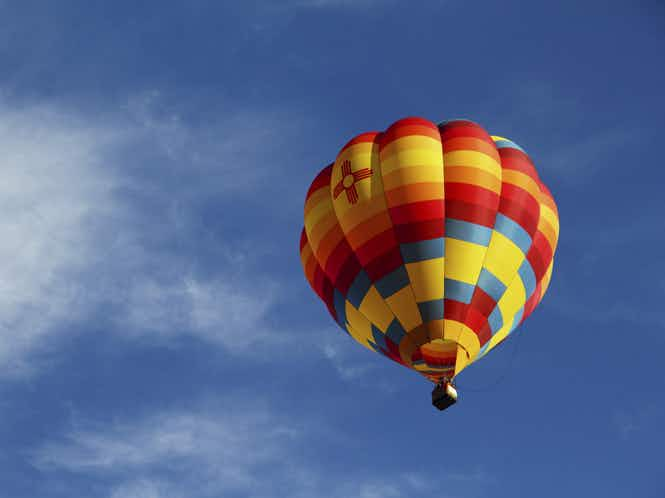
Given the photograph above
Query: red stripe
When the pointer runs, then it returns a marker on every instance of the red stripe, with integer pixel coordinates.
(359, 139)
(482, 302)
(453, 310)
(409, 127)
(303, 239)
(532, 302)
(524, 214)
(471, 194)
(393, 351)
(484, 334)
(319, 280)
(475, 320)
(539, 255)
(417, 211)
(384, 264)
(376, 246)
(472, 213)
(455, 129)
(517, 160)
(347, 274)
(338, 258)
(423, 230)
(439, 361)
(329, 297)
(324, 290)
(321, 180)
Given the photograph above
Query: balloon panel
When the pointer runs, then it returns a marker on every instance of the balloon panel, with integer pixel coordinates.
(429, 244)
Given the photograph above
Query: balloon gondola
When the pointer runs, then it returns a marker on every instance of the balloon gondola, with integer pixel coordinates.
(430, 244)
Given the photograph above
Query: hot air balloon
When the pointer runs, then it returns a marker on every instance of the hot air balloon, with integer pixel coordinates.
(430, 244)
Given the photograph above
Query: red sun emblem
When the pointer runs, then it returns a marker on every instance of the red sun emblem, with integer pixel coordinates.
(348, 181)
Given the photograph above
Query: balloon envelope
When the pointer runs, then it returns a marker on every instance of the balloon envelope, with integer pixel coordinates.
(429, 244)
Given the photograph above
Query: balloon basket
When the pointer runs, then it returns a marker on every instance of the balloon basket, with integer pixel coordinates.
(444, 395)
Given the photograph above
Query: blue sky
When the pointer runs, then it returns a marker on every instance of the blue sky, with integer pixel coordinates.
(157, 336)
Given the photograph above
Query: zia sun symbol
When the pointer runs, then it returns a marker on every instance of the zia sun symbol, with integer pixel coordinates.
(348, 182)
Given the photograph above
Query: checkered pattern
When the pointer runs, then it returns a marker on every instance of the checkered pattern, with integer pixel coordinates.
(441, 247)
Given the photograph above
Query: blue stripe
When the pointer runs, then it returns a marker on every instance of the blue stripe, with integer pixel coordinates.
(495, 320)
(379, 338)
(491, 285)
(391, 283)
(431, 310)
(507, 227)
(395, 332)
(508, 143)
(470, 232)
(528, 277)
(458, 291)
(517, 318)
(339, 302)
(359, 289)
(420, 251)
(375, 347)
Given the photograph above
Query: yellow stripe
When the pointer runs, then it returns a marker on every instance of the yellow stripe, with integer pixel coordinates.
(375, 309)
(463, 260)
(474, 159)
(358, 326)
(318, 212)
(462, 360)
(451, 329)
(413, 174)
(469, 341)
(414, 192)
(316, 232)
(523, 181)
(549, 215)
(474, 176)
(321, 195)
(511, 301)
(409, 158)
(423, 142)
(547, 278)
(404, 306)
(426, 279)
(353, 218)
(503, 258)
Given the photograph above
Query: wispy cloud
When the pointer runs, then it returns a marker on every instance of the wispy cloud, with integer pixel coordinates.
(102, 214)
(354, 363)
(348, 365)
(144, 488)
(225, 447)
(197, 452)
(220, 312)
(216, 448)
(53, 187)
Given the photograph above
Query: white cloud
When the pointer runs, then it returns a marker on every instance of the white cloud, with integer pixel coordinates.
(220, 312)
(232, 446)
(347, 364)
(53, 186)
(91, 204)
(197, 452)
(144, 488)
(354, 363)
